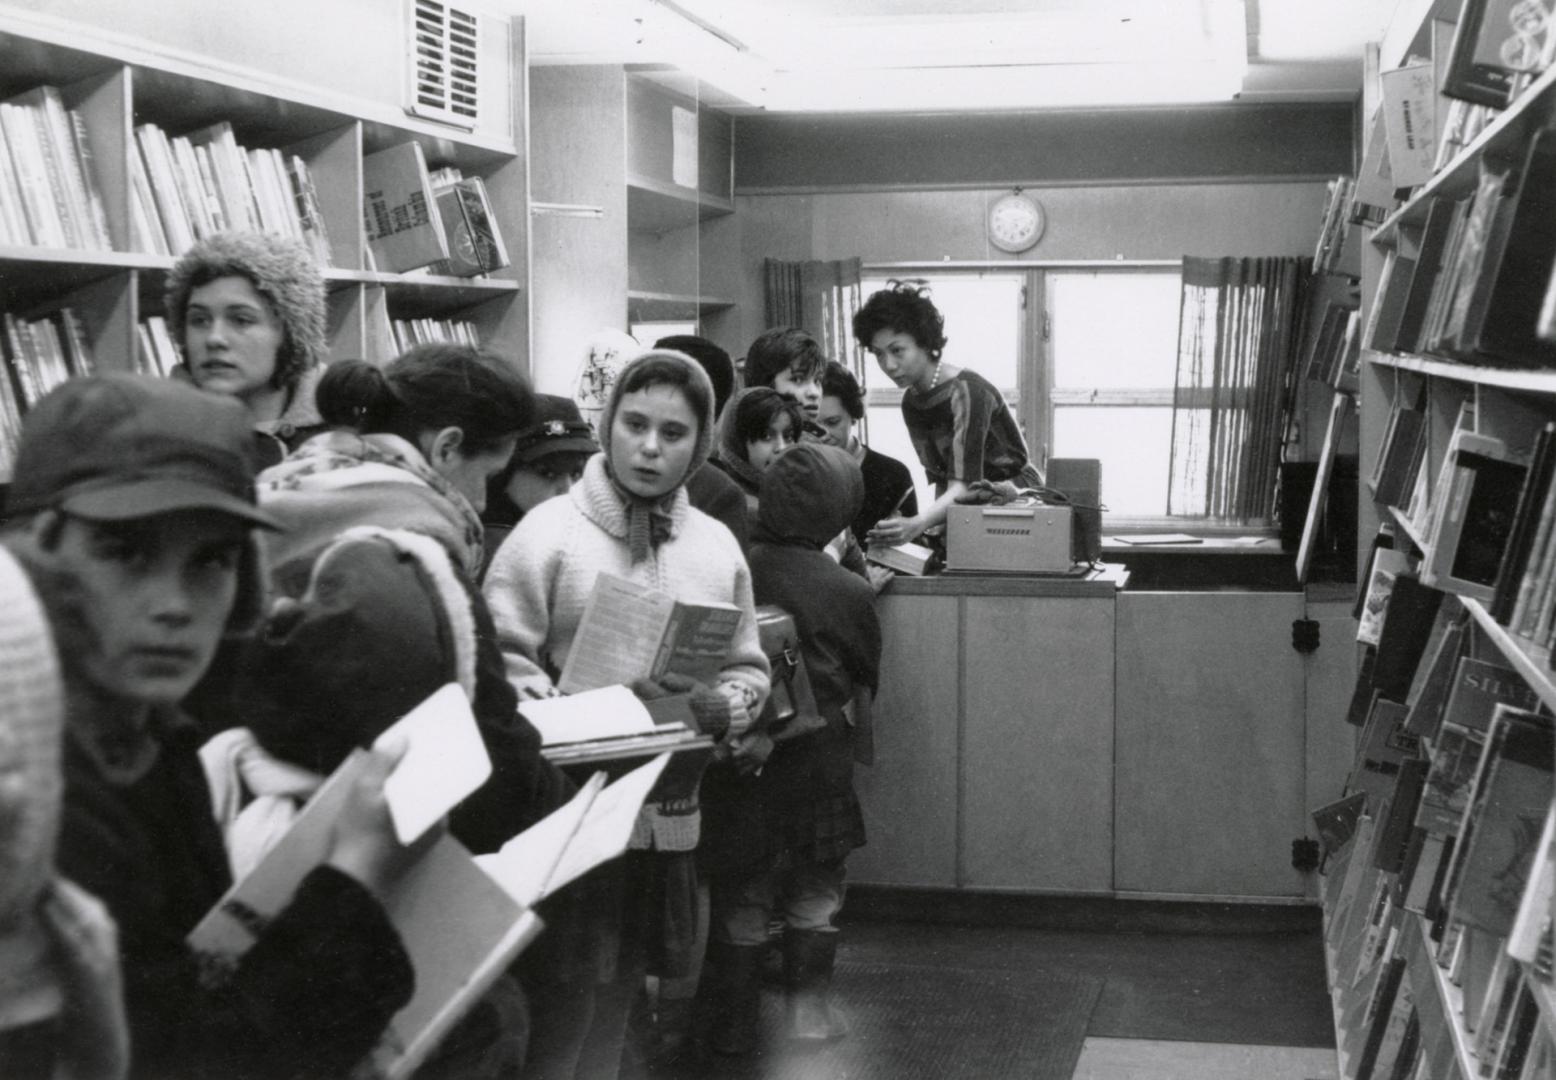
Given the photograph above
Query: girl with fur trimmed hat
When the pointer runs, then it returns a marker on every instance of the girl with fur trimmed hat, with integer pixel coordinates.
(247, 310)
(630, 516)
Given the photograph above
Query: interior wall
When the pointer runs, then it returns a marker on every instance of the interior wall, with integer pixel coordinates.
(1119, 221)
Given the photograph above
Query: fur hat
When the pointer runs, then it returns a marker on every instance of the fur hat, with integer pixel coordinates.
(284, 272)
(382, 622)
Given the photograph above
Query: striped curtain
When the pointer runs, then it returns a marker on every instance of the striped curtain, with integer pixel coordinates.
(819, 298)
(1236, 382)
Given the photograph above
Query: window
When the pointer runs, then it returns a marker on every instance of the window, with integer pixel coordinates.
(1088, 371)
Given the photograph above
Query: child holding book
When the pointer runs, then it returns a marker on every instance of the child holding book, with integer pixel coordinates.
(247, 309)
(961, 428)
(629, 516)
(778, 844)
(138, 493)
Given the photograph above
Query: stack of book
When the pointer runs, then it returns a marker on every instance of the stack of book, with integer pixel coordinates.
(36, 355)
(155, 354)
(1334, 253)
(1439, 859)
(187, 187)
(49, 192)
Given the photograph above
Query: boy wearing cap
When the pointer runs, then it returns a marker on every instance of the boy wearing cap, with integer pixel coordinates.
(138, 495)
(548, 459)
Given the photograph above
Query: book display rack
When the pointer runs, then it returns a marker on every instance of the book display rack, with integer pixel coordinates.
(151, 151)
(1439, 865)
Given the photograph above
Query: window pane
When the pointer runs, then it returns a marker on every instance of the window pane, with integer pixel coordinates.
(983, 320)
(1113, 330)
(1134, 447)
(889, 436)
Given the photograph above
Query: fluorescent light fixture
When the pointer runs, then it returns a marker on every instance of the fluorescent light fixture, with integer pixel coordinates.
(667, 36)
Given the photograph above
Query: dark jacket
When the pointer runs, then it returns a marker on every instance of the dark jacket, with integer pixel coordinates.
(885, 479)
(715, 494)
(801, 808)
(309, 999)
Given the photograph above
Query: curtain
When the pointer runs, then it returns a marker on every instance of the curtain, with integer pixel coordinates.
(1236, 380)
(819, 298)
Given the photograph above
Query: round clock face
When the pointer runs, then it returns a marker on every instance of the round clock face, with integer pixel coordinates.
(1015, 222)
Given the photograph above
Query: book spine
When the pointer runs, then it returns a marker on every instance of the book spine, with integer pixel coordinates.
(96, 207)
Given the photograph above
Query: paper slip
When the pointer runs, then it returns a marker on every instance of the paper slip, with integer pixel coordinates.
(445, 760)
(606, 713)
(592, 828)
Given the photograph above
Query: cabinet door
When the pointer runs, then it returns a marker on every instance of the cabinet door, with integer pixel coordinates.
(909, 794)
(1037, 743)
(1211, 774)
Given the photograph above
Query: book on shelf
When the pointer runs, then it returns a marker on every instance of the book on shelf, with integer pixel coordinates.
(1425, 873)
(1528, 513)
(1456, 755)
(1394, 834)
(65, 145)
(1529, 940)
(1335, 822)
(1389, 300)
(630, 632)
(156, 153)
(1385, 745)
(1442, 215)
(1509, 799)
(1463, 280)
(475, 244)
(1502, 328)
(1398, 453)
(1496, 47)
(403, 226)
(1373, 198)
(1388, 1018)
(1409, 107)
(1478, 687)
(1362, 693)
(1407, 627)
(1474, 502)
(1387, 565)
(1433, 674)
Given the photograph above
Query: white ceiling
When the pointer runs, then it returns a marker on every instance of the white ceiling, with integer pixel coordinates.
(875, 55)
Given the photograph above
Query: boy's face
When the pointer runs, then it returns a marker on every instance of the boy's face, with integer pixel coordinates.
(803, 386)
(770, 447)
(904, 361)
(532, 484)
(156, 594)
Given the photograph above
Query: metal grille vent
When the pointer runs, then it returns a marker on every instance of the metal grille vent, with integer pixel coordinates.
(443, 63)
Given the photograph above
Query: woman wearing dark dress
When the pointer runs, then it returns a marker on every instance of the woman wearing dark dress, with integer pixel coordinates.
(888, 486)
(961, 428)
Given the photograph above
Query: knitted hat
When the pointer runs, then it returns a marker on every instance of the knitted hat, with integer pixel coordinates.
(284, 272)
(658, 367)
(383, 621)
(810, 493)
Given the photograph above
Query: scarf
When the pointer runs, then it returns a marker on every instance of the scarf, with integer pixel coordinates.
(254, 796)
(338, 460)
(649, 522)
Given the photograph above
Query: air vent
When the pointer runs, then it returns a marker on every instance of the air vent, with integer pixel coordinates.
(444, 51)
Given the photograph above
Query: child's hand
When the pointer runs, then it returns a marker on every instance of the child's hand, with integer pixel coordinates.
(880, 576)
(95, 1036)
(364, 844)
(749, 752)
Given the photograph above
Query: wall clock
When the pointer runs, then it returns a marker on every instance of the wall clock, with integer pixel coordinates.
(1016, 222)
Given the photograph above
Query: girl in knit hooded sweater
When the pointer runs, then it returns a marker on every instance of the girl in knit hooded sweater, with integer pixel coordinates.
(630, 516)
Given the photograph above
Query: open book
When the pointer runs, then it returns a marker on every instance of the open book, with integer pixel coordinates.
(631, 632)
(462, 920)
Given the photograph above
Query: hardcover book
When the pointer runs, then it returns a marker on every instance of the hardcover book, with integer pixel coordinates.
(1409, 104)
(1455, 757)
(475, 243)
(404, 227)
(1492, 46)
(1509, 800)
(1478, 687)
(630, 632)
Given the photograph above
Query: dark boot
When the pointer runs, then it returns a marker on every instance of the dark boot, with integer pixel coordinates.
(731, 994)
(808, 956)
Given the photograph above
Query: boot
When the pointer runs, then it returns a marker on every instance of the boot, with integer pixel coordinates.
(808, 956)
(731, 995)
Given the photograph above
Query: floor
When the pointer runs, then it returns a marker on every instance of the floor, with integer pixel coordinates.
(1199, 1004)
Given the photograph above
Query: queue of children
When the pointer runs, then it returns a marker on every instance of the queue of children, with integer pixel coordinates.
(217, 586)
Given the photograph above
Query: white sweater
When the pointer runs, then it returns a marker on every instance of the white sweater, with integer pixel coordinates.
(541, 578)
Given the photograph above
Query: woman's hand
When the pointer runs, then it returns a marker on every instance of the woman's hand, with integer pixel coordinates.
(95, 1036)
(364, 844)
(897, 530)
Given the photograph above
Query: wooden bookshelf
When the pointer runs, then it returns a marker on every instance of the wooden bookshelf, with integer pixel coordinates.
(1516, 379)
(119, 82)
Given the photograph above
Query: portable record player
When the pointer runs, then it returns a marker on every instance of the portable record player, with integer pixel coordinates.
(1025, 537)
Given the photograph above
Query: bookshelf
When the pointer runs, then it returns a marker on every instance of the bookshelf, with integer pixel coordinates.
(119, 82)
(1449, 388)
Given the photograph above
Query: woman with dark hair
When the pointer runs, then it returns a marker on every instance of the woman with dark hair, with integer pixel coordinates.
(888, 486)
(415, 444)
(961, 428)
(247, 310)
(790, 361)
(758, 425)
